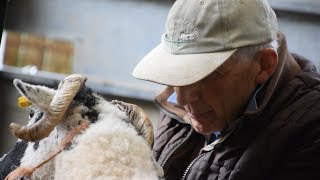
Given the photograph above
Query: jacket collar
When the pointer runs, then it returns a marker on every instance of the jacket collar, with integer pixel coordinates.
(286, 69)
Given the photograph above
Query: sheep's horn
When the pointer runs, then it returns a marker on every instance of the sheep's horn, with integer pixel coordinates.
(138, 119)
(67, 90)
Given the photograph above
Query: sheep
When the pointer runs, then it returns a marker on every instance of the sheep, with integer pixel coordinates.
(73, 133)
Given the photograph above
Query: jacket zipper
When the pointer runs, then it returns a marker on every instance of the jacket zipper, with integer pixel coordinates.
(190, 165)
(212, 145)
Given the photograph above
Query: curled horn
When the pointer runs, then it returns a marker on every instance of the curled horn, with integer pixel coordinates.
(138, 118)
(67, 90)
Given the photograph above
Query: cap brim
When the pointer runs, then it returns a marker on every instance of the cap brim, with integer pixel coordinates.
(162, 67)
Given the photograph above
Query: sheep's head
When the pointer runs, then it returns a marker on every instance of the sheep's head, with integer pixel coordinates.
(50, 105)
(72, 100)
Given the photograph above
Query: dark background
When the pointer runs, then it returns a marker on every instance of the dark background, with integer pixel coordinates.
(2, 15)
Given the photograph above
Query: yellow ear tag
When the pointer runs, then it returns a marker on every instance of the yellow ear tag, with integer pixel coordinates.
(23, 102)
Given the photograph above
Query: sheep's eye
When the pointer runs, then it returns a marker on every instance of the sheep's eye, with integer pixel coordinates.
(31, 114)
(39, 117)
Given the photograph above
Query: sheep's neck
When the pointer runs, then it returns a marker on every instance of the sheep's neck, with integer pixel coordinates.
(66, 142)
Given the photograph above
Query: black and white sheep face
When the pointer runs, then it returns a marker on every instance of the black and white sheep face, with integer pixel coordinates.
(80, 109)
(39, 96)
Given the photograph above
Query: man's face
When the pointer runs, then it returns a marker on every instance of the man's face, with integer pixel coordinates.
(220, 97)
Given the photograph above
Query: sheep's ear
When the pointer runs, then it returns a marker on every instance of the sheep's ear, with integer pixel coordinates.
(40, 96)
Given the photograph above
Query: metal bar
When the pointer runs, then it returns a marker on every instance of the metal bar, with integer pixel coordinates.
(99, 85)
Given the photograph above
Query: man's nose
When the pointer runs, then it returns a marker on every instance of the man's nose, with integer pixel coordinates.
(187, 94)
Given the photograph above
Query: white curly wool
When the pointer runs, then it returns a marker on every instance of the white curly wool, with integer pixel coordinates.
(116, 153)
(46, 146)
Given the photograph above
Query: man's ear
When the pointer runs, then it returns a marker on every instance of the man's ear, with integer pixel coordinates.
(268, 60)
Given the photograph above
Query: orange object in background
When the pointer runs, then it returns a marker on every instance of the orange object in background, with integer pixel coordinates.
(57, 56)
(12, 48)
(46, 54)
(30, 50)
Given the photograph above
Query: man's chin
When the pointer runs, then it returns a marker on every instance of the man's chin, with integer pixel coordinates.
(204, 128)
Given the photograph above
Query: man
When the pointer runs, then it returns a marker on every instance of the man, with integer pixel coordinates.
(238, 105)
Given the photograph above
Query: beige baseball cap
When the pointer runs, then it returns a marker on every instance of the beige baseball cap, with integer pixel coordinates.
(201, 35)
